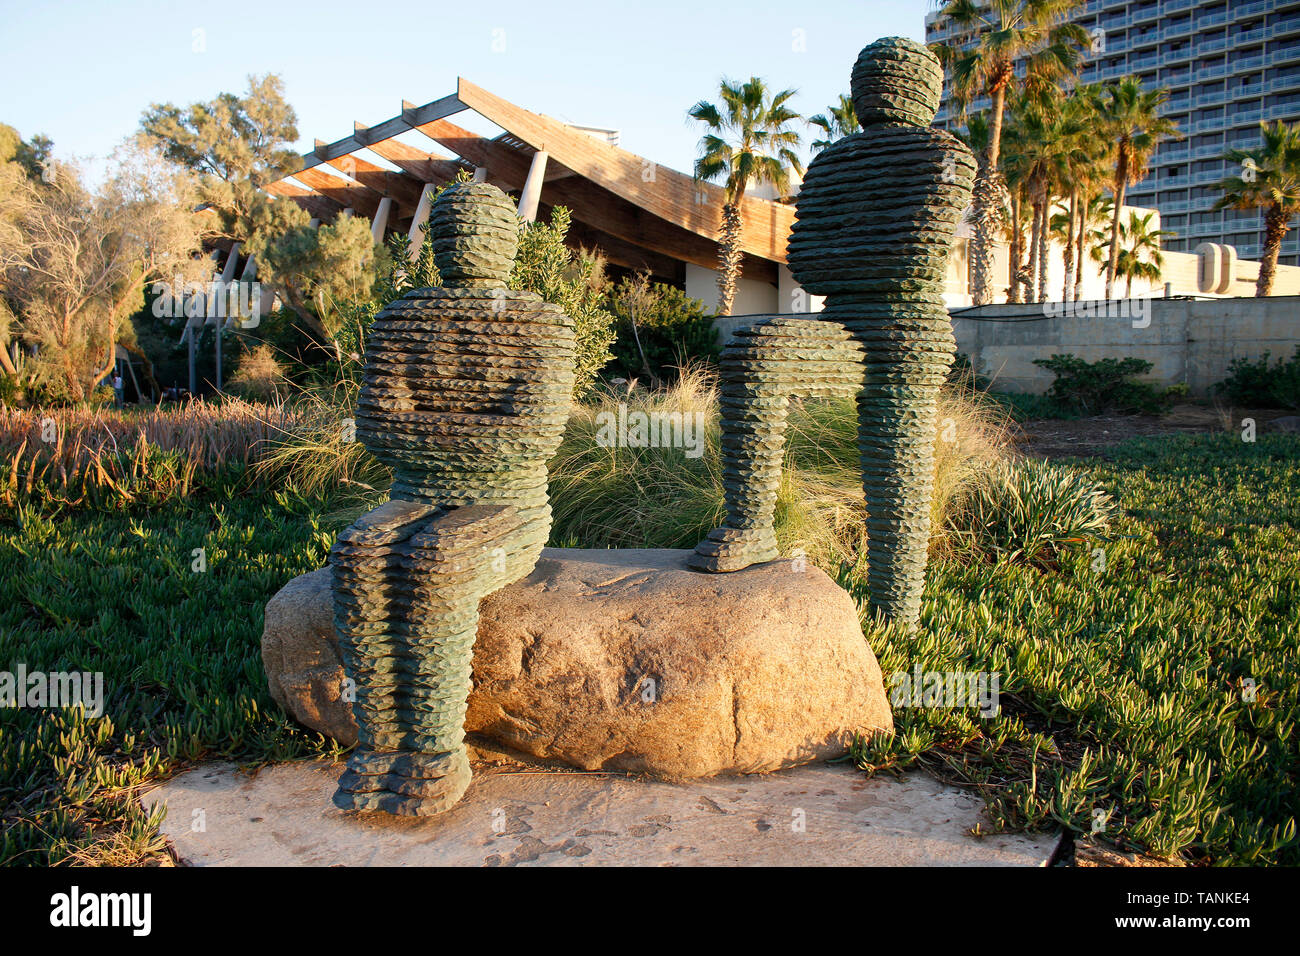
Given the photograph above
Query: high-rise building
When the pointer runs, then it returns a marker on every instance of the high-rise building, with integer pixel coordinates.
(1228, 66)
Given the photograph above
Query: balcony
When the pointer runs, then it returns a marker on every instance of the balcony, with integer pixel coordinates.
(1241, 10)
(1285, 55)
(1244, 117)
(1210, 72)
(1289, 25)
(1207, 176)
(1169, 154)
(1211, 45)
(1210, 99)
(1247, 64)
(1181, 205)
(1257, 35)
(1246, 90)
(1175, 29)
(1205, 21)
(1210, 149)
(1137, 64)
(1170, 6)
(1144, 39)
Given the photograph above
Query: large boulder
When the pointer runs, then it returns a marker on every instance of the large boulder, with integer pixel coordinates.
(628, 660)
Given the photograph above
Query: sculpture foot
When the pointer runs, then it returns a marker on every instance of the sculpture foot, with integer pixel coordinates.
(734, 549)
(403, 783)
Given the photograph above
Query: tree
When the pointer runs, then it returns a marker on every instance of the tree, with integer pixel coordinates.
(236, 145)
(836, 123)
(1139, 254)
(1128, 117)
(1269, 180)
(1001, 33)
(74, 263)
(749, 141)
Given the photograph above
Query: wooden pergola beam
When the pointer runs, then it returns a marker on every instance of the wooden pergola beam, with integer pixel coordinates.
(363, 137)
(404, 190)
(426, 167)
(363, 201)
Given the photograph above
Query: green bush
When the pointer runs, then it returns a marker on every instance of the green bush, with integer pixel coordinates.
(1094, 388)
(660, 330)
(1257, 384)
(1028, 510)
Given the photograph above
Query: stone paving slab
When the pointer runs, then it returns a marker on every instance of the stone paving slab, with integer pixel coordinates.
(820, 815)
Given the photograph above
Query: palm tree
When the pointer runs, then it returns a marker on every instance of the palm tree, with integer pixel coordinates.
(1004, 32)
(1139, 254)
(1269, 180)
(837, 122)
(1129, 118)
(1083, 159)
(976, 136)
(749, 140)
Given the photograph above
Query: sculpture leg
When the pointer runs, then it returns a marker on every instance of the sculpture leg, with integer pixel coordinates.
(896, 433)
(762, 369)
(408, 581)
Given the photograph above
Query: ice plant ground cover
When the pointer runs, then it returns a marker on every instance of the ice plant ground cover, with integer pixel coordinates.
(1146, 694)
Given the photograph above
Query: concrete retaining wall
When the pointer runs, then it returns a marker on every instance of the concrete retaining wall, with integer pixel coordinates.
(1186, 341)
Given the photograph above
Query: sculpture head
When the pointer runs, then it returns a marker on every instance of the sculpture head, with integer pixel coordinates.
(475, 232)
(896, 80)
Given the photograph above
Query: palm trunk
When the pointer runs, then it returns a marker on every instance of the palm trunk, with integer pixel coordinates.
(1069, 245)
(1044, 245)
(986, 209)
(728, 258)
(1083, 247)
(1121, 181)
(1033, 252)
(1275, 226)
(1013, 253)
(5, 361)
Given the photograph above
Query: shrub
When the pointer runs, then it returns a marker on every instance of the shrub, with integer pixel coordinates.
(1027, 510)
(575, 281)
(260, 376)
(1257, 384)
(1093, 388)
(660, 329)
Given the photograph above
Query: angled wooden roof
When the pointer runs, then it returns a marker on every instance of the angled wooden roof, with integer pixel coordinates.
(643, 215)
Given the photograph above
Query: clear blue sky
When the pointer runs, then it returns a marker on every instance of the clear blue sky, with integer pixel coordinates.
(82, 72)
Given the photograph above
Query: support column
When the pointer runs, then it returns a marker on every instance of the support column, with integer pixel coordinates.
(380, 222)
(480, 174)
(532, 193)
(421, 217)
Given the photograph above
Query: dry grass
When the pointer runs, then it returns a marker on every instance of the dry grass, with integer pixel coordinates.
(78, 456)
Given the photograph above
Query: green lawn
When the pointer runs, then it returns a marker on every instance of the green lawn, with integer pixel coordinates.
(1123, 690)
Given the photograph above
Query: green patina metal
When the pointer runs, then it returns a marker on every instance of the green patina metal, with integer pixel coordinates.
(466, 394)
(875, 223)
